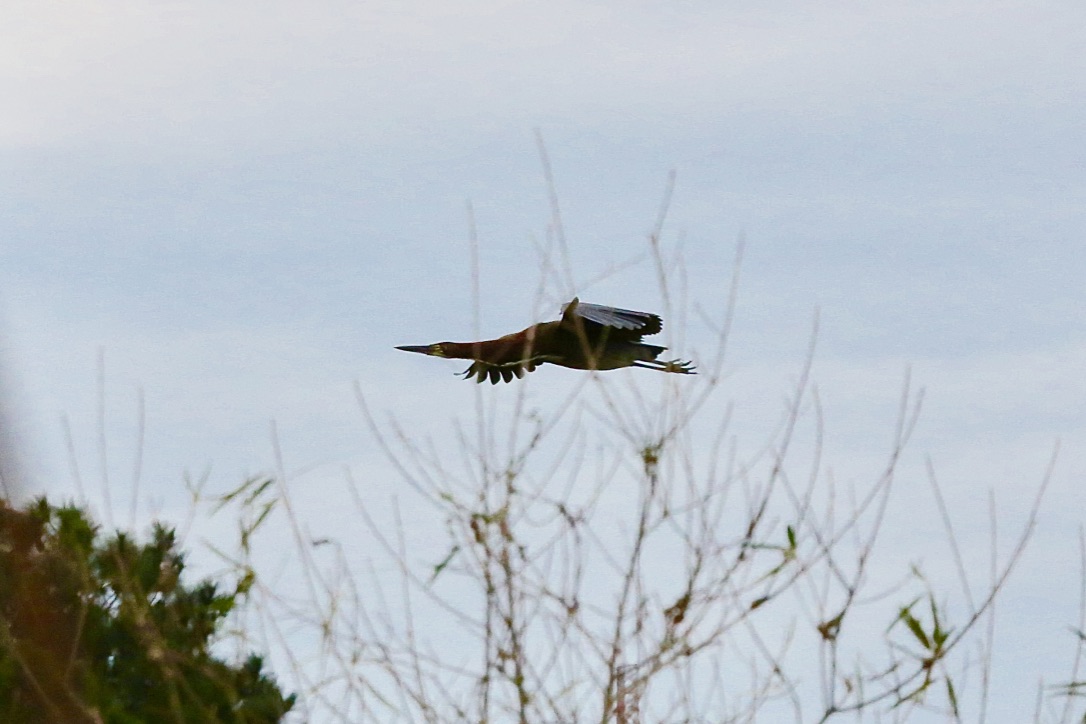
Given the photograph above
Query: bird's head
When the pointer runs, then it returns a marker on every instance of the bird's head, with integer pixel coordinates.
(434, 350)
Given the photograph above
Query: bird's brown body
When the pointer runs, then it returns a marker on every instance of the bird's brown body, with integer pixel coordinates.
(587, 337)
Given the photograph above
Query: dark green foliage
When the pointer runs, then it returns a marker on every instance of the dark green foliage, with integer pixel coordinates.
(103, 629)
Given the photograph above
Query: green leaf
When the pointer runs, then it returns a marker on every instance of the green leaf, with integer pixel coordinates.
(953, 697)
(914, 625)
(441, 566)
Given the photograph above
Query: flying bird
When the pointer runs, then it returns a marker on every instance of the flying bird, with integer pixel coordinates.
(587, 337)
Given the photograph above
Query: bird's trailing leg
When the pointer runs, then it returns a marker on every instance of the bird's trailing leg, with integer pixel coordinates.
(677, 366)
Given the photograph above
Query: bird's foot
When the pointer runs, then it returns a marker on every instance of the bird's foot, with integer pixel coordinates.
(680, 367)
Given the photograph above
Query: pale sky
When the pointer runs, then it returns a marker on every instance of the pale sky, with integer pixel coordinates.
(247, 205)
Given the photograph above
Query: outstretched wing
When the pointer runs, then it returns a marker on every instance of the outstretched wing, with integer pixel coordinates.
(641, 324)
(482, 370)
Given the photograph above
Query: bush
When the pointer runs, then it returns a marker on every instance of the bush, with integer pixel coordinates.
(103, 629)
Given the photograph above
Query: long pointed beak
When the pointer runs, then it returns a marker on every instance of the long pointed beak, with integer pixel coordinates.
(420, 348)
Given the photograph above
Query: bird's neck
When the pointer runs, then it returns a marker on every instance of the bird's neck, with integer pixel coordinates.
(504, 350)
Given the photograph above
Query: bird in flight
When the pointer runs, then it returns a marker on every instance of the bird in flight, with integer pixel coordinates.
(587, 337)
